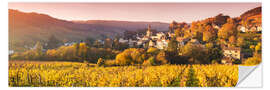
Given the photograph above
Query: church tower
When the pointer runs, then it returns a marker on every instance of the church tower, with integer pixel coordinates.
(148, 32)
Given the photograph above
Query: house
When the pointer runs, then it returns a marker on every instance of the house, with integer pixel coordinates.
(250, 29)
(226, 60)
(101, 41)
(10, 52)
(151, 43)
(243, 29)
(146, 38)
(132, 42)
(259, 28)
(162, 44)
(140, 42)
(231, 53)
(253, 29)
(69, 43)
(159, 40)
(138, 37)
(121, 40)
(215, 26)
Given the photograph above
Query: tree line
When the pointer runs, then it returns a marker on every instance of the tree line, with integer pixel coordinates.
(79, 52)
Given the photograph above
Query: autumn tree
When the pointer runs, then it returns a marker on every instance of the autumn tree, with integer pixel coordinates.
(252, 47)
(89, 41)
(206, 36)
(130, 56)
(258, 48)
(17, 56)
(161, 58)
(209, 34)
(38, 51)
(82, 53)
(172, 45)
(197, 30)
(255, 60)
(179, 32)
(173, 26)
(65, 53)
(240, 41)
(51, 54)
(227, 30)
(214, 53)
(34, 54)
(195, 53)
(232, 40)
(153, 51)
(187, 33)
(53, 42)
(75, 50)
(123, 59)
(152, 60)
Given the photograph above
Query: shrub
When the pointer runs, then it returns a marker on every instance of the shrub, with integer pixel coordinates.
(214, 62)
(130, 56)
(161, 58)
(153, 51)
(15, 56)
(146, 63)
(237, 61)
(152, 60)
(100, 62)
(252, 61)
(110, 63)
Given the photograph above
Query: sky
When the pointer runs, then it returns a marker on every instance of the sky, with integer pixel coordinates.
(152, 12)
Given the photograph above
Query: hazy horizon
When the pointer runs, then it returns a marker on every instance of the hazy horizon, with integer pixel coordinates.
(148, 12)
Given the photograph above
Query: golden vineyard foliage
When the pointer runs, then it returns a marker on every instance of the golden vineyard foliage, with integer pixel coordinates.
(71, 74)
(216, 75)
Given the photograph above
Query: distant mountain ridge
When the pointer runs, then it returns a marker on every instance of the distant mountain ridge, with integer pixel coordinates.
(128, 25)
(25, 29)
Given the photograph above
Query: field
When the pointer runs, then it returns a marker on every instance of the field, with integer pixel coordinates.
(71, 74)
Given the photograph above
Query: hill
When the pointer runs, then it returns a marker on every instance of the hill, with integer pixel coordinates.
(252, 12)
(252, 17)
(25, 29)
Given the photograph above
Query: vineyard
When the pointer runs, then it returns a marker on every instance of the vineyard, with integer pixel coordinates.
(71, 74)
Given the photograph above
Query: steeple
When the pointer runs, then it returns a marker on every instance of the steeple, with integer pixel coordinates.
(149, 28)
(148, 32)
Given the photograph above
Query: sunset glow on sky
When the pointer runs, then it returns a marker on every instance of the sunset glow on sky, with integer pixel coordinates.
(161, 12)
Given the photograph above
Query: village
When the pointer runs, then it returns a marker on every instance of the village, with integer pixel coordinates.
(160, 40)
